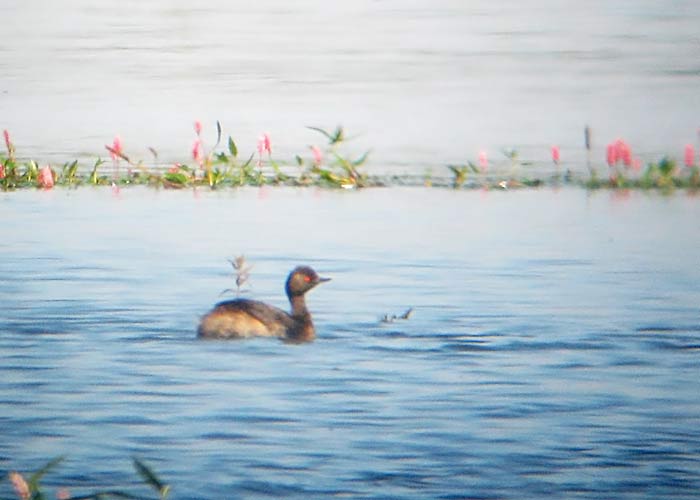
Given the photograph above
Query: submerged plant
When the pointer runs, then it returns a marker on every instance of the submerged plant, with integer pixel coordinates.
(242, 272)
(390, 318)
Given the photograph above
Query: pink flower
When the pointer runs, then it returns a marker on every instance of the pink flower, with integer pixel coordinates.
(8, 142)
(624, 152)
(611, 155)
(318, 155)
(2, 171)
(116, 149)
(20, 485)
(197, 151)
(483, 160)
(45, 178)
(198, 127)
(264, 145)
(555, 154)
(689, 156)
(619, 151)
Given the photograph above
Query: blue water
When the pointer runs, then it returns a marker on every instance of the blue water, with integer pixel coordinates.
(553, 350)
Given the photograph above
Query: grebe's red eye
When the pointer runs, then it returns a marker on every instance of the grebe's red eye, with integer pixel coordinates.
(307, 278)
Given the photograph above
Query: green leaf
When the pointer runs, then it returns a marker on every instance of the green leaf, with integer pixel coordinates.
(300, 160)
(361, 159)
(317, 129)
(176, 178)
(218, 133)
(99, 495)
(338, 136)
(249, 161)
(232, 147)
(36, 477)
(150, 477)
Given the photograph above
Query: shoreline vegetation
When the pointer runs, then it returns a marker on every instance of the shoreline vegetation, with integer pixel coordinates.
(329, 166)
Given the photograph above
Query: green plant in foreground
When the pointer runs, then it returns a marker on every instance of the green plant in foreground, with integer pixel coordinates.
(30, 489)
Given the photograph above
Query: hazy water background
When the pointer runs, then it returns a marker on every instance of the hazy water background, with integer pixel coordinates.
(421, 83)
(552, 352)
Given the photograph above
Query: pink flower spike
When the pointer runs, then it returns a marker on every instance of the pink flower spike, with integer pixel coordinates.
(45, 178)
(261, 144)
(555, 154)
(268, 143)
(198, 127)
(611, 155)
(483, 160)
(623, 153)
(197, 151)
(20, 485)
(318, 155)
(116, 151)
(689, 156)
(8, 143)
(2, 171)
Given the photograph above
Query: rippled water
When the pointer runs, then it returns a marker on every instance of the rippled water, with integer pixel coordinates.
(552, 351)
(421, 83)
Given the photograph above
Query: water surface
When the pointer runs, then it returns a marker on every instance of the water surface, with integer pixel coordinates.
(552, 351)
(420, 83)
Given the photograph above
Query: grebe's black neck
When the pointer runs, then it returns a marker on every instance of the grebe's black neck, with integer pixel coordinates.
(299, 310)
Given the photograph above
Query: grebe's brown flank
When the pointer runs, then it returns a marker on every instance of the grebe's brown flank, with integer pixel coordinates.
(242, 318)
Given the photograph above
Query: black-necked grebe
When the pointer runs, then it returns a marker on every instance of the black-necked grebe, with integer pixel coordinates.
(241, 318)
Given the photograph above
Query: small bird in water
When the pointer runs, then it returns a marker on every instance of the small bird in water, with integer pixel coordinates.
(243, 318)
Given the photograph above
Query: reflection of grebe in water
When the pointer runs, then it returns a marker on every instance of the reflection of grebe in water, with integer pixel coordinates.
(241, 318)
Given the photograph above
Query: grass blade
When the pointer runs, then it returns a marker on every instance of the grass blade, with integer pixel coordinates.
(36, 477)
(232, 147)
(218, 133)
(149, 476)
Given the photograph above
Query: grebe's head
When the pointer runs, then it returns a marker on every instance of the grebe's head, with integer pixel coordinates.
(301, 280)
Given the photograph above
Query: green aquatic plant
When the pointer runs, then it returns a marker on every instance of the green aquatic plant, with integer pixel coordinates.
(69, 173)
(150, 477)
(659, 174)
(390, 318)
(460, 173)
(329, 166)
(341, 172)
(30, 488)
